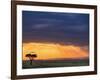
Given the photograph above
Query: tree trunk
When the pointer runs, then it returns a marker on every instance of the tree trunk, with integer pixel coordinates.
(30, 62)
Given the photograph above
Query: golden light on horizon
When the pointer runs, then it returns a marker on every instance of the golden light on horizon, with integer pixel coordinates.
(47, 51)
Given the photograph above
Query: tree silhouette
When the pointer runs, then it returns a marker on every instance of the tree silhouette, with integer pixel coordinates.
(31, 57)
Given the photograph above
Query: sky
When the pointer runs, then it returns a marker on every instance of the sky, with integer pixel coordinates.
(70, 29)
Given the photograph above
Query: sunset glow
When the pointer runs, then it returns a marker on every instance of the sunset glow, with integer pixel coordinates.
(47, 51)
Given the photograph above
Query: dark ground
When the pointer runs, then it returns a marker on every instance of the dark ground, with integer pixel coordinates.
(55, 63)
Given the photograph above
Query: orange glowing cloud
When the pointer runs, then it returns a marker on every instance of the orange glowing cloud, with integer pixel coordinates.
(47, 51)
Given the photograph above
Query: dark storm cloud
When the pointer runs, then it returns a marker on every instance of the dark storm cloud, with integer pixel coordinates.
(66, 28)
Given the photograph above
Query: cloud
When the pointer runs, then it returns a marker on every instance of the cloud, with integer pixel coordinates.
(54, 51)
(79, 28)
(40, 26)
(66, 28)
(45, 23)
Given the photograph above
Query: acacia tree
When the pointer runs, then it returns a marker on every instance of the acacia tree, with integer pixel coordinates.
(31, 57)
